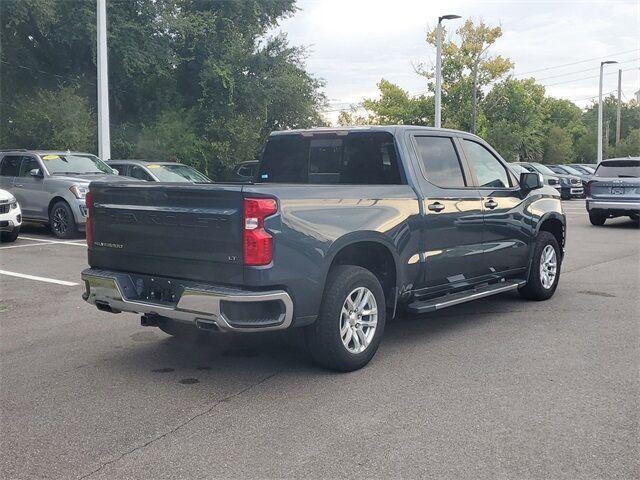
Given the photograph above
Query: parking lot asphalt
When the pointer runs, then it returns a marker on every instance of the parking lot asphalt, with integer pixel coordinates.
(498, 388)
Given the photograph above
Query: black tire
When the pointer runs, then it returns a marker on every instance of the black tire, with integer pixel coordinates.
(323, 336)
(12, 236)
(635, 219)
(597, 217)
(534, 288)
(61, 220)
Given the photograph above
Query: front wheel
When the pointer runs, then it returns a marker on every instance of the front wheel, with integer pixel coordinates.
(351, 323)
(544, 273)
(61, 221)
(11, 236)
(597, 217)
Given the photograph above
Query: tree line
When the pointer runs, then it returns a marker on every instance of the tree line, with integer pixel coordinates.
(515, 115)
(200, 81)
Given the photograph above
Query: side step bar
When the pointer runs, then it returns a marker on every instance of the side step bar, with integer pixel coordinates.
(452, 299)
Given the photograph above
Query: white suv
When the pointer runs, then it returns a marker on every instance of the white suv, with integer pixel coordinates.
(10, 217)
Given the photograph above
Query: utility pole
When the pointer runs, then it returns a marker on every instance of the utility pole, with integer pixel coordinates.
(104, 137)
(599, 153)
(438, 115)
(618, 112)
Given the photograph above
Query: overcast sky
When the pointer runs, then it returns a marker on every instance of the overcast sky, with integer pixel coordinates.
(354, 43)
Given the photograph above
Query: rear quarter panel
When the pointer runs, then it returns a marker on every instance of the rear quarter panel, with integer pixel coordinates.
(315, 222)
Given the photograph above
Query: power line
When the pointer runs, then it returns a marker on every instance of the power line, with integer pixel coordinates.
(582, 71)
(516, 74)
(585, 78)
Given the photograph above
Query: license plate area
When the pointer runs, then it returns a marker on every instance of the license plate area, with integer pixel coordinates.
(156, 289)
(617, 190)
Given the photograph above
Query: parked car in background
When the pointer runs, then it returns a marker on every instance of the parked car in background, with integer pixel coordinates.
(614, 190)
(50, 186)
(548, 177)
(158, 171)
(569, 186)
(245, 171)
(584, 168)
(340, 229)
(569, 170)
(10, 217)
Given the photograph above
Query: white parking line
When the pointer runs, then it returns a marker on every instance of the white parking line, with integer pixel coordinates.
(23, 245)
(39, 279)
(63, 242)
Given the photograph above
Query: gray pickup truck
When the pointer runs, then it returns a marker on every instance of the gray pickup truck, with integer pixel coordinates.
(340, 229)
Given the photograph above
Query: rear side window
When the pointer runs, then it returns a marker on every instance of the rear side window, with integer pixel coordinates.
(440, 162)
(489, 171)
(10, 166)
(358, 158)
(619, 168)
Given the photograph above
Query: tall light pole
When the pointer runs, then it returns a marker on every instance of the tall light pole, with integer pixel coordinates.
(602, 64)
(104, 138)
(438, 116)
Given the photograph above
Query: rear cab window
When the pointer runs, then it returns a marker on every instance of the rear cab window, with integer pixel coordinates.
(365, 158)
(619, 168)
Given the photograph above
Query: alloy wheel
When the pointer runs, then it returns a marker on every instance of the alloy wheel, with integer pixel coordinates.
(60, 221)
(358, 320)
(548, 266)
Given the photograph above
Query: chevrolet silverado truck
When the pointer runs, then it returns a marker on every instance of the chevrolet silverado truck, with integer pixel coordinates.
(339, 231)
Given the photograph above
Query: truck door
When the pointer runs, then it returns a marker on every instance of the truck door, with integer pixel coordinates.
(506, 235)
(452, 219)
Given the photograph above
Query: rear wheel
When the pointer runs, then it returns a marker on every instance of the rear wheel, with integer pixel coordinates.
(544, 273)
(348, 331)
(597, 217)
(61, 221)
(11, 236)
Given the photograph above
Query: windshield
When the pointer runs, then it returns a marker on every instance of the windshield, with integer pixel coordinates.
(543, 170)
(619, 168)
(571, 170)
(177, 173)
(75, 164)
(589, 169)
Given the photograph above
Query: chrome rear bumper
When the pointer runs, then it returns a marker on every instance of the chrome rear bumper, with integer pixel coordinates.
(199, 304)
(612, 204)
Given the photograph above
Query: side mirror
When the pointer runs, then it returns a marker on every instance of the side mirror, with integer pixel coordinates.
(36, 172)
(115, 171)
(530, 181)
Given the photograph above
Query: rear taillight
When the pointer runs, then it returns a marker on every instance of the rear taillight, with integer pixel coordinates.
(89, 224)
(257, 243)
(587, 188)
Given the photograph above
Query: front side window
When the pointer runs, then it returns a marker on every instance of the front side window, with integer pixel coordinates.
(28, 164)
(74, 164)
(139, 173)
(10, 166)
(439, 161)
(489, 171)
(357, 158)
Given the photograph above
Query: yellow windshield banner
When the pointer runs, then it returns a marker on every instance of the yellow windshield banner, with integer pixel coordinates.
(50, 157)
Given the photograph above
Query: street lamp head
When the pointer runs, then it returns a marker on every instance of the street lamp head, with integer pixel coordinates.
(448, 17)
(606, 62)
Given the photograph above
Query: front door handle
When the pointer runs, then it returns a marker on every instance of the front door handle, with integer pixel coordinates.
(436, 207)
(19, 185)
(491, 204)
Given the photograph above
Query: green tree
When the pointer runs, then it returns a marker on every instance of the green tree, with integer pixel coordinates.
(515, 119)
(467, 69)
(59, 119)
(558, 146)
(209, 60)
(396, 106)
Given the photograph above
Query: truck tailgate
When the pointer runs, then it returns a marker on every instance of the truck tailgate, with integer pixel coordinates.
(176, 230)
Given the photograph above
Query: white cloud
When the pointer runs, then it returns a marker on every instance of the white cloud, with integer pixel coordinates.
(354, 43)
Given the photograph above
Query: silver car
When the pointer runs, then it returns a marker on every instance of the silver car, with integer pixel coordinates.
(50, 186)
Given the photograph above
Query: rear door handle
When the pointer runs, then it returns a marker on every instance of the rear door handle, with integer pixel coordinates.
(436, 207)
(491, 204)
